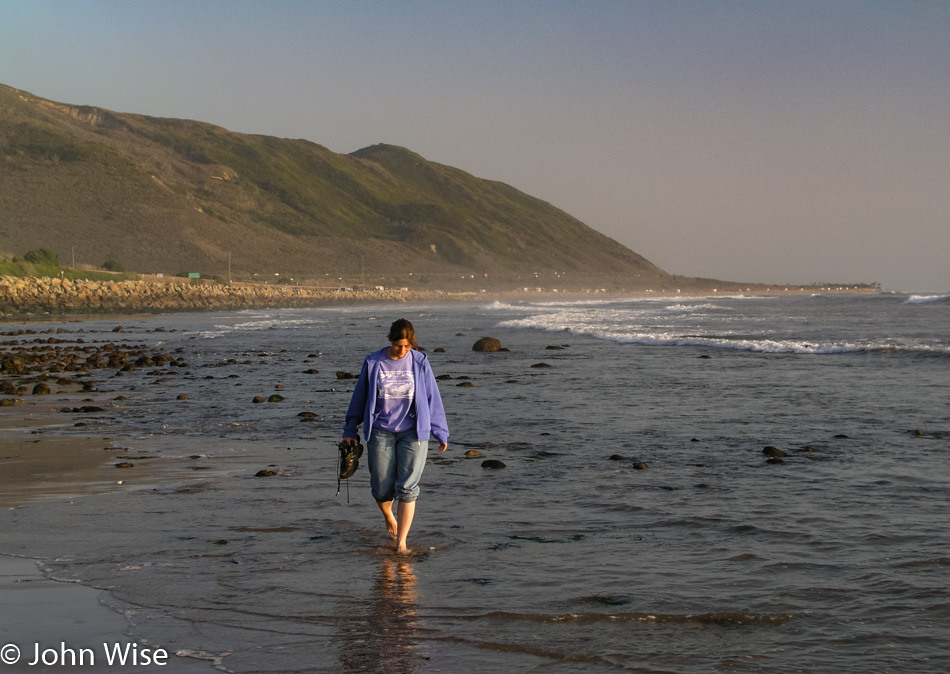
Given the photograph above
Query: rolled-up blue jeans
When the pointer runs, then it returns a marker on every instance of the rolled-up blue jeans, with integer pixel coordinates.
(395, 462)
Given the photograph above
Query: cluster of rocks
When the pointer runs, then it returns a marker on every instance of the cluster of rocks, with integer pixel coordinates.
(273, 398)
(38, 295)
(31, 363)
(774, 455)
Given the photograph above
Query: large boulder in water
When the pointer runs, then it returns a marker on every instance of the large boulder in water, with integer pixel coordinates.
(494, 463)
(487, 345)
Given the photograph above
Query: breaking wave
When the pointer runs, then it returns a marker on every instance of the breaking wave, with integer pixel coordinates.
(926, 299)
(689, 308)
(648, 329)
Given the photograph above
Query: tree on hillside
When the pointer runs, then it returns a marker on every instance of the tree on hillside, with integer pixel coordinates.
(42, 256)
(112, 265)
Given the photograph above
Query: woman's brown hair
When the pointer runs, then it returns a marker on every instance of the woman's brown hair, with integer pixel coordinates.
(402, 329)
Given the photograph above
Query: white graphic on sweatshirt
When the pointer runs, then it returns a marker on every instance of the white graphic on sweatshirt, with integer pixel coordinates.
(396, 385)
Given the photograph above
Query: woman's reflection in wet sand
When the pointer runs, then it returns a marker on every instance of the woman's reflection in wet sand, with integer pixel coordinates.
(386, 639)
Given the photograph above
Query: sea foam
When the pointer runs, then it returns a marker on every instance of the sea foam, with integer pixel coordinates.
(704, 325)
(925, 299)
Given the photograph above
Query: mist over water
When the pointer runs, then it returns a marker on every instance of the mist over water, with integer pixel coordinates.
(707, 559)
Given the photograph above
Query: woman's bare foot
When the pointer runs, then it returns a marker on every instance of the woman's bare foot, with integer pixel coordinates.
(407, 509)
(386, 507)
(391, 526)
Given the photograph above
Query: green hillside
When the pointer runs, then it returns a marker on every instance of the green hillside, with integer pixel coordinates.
(168, 196)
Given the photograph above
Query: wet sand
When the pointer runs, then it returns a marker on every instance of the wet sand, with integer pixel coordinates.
(35, 465)
(40, 610)
(37, 610)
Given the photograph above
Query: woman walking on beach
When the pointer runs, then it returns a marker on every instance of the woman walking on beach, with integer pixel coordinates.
(397, 401)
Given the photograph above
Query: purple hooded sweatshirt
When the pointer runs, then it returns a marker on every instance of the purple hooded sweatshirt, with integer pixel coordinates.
(430, 415)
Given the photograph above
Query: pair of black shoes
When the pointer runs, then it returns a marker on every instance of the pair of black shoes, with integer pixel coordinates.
(349, 458)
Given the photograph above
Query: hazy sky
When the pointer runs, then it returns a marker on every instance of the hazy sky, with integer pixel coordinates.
(752, 140)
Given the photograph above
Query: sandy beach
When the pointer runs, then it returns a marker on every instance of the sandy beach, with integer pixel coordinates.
(39, 610)
(36, 466)
(672, 543)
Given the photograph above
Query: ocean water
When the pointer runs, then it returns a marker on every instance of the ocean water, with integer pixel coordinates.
(637, 526)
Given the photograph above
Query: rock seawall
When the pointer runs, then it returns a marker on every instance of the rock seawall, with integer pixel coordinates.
(29, 295)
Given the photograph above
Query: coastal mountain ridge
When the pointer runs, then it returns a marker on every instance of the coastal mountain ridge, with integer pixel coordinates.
(169, 196)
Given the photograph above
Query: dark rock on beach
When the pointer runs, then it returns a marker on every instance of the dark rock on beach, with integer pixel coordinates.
(267, 472)
(493, 463)
(345, 375)
(773, 452)
(487, 345)
(541, 365)
(472, 454)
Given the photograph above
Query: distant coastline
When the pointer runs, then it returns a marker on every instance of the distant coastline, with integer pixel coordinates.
(31, 296)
